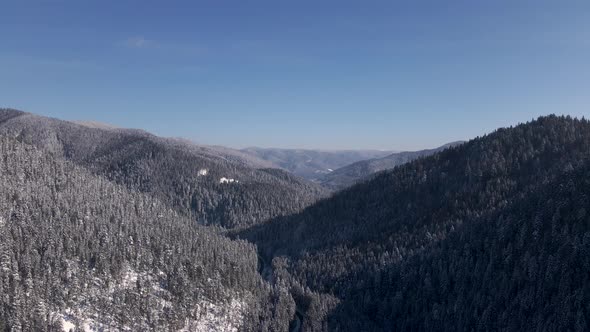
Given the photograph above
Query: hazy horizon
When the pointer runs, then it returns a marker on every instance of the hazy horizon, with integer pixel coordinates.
(241, 147)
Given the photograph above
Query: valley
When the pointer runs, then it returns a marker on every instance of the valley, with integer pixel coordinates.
(106, 228)
(294, 166)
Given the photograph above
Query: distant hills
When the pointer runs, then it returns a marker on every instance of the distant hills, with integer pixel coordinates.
(333, 170)
(361, 170)
(312, 164)
(336, 170)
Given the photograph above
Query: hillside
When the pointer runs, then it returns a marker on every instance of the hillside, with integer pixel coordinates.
(361, 170)
(187, 177)
(312, 164)
(78, 250)
(98, 231)
(346, 242)
(523, 267)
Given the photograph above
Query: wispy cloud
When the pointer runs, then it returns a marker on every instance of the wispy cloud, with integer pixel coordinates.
(140, 42)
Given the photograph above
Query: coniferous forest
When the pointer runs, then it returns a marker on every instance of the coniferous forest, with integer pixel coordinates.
(106, 229)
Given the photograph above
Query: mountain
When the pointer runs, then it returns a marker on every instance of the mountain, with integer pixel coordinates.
(312, 164)
(490, 234)
(78, 252)
(239, 156)
(206, 184)
(524, 267)
(361, 170)
(117, 229)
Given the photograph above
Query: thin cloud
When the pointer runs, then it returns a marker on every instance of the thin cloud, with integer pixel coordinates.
(140, 42)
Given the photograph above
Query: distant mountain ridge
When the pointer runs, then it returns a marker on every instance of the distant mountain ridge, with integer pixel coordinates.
(95, 124)
(361, 170)
(332, 169)
(312, 164)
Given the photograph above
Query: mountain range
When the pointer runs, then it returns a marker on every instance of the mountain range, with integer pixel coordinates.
(104, 228)
(364, 169)
(312, 164)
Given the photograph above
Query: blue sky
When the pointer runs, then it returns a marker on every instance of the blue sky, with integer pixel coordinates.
(315, 74)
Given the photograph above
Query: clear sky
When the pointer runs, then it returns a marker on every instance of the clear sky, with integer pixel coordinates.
(316, 74)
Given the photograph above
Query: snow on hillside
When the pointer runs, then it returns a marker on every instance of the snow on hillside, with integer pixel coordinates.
(227, 180)
(214, 317)
(81, 315)
(70, 322)
(211, 318)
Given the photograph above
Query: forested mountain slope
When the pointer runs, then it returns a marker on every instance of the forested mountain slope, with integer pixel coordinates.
(203, 183)
(78, 250)
(98, 231)
(335, 244)
(361, 170)
(525, 267)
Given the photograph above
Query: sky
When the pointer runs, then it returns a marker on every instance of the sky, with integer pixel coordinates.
(395, 75)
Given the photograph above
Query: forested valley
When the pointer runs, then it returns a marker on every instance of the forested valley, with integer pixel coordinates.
(118, 229)
(487, 235)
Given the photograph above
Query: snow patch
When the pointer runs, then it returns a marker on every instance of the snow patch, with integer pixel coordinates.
(129, 279)
(82, 316)
(68, 323)
(203, 172)
(227, 180)
(207, 315)
(330, 170)
(217, 317)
